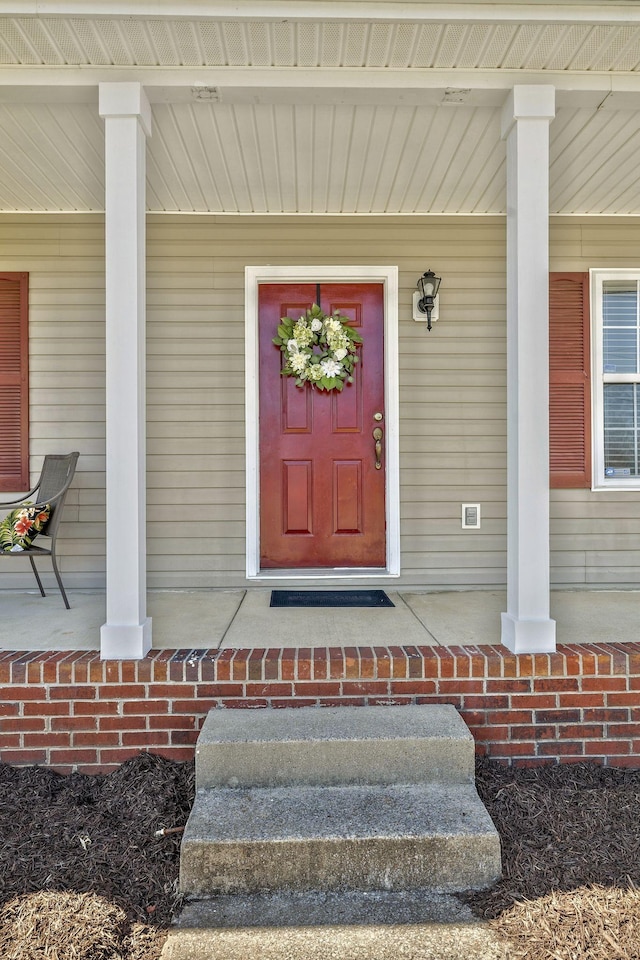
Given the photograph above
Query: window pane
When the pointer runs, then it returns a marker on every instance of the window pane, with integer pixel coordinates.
(621, 430)
(620, 326)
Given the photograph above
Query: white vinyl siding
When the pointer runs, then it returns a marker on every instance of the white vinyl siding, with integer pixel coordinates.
(595, 534)
(452, 430)
(452, 390)
(64, 257)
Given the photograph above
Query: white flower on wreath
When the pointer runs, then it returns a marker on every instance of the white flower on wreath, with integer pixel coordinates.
(337, 341)
(299, 362)
(331, 368)
(292, 346)
(302, 333)
(316, 325)
(340, 354)
(332, 325)
(315, 372)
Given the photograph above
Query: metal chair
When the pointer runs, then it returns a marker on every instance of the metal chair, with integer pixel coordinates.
(51, 488)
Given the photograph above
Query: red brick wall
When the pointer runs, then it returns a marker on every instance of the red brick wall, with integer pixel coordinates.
(74, 711)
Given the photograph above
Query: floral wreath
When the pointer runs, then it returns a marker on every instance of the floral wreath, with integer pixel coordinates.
(318, 349)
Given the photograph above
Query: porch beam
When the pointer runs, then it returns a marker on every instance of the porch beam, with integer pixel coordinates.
(127, 118)
(318, 84)
(526, 625)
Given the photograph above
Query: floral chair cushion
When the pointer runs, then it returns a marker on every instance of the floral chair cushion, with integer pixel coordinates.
(19, 529)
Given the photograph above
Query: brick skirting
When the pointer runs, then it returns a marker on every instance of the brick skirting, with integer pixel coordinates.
(73, 711)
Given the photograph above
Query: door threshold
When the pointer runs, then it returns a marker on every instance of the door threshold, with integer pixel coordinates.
(321, 573)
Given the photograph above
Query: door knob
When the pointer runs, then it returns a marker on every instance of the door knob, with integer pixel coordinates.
(377, 436)
(377, 416)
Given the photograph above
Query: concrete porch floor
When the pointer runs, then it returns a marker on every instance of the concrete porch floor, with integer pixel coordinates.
(222, 619)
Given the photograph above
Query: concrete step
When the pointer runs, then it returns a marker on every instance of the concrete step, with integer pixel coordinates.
(363, 837)
(334, 745)
(416, 925)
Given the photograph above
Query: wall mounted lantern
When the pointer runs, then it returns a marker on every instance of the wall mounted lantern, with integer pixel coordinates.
(426, 303)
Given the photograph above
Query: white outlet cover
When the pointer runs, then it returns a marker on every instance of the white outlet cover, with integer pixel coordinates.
(470, 516)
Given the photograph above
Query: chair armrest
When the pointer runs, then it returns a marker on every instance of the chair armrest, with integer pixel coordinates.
(21, 502)
(18, 500)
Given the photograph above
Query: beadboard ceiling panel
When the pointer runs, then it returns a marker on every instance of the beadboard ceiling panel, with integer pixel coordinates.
(594, 162)
(51, 157)
(130, 42)
(323, 158)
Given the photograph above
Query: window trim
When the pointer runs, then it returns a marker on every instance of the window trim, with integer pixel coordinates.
(597, 277)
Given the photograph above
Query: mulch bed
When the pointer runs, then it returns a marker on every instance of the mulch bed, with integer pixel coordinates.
(92, 838)
(83, 876)
(570, 838)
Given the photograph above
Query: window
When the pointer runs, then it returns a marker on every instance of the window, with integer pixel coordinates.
(616, 375)
(14, 382)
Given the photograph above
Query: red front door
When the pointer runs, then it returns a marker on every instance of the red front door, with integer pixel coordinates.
(322, 498)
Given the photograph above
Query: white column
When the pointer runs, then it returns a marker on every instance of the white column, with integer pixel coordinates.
(127, 117)
(526, 626)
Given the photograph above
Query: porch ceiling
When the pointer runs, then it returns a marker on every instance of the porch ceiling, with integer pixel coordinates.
(341, 115)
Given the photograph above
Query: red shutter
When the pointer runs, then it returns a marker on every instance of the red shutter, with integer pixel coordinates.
(14, 382)
(569, 380)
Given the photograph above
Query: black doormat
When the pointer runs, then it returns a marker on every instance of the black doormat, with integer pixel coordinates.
(330, 598)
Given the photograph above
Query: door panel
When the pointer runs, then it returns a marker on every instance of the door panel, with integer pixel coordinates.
(322, 500)
(347, 497)
(297, 497)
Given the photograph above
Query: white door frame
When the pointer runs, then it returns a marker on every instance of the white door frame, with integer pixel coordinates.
(388, 276)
